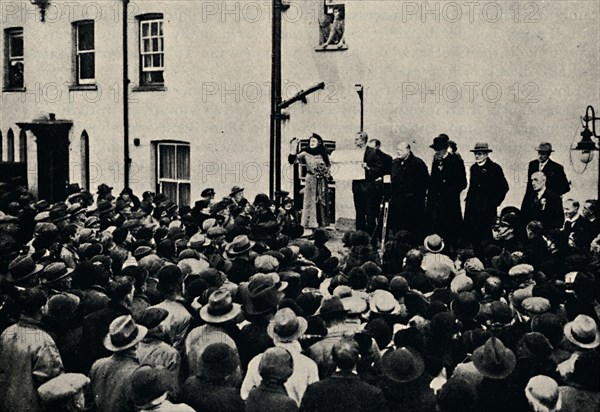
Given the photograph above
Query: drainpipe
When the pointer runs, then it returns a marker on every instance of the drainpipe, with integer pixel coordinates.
(126, 159)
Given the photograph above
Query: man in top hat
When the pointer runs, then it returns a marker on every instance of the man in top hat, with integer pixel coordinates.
(285, 329)
(542, 204)
(409, 189)
(221, 315)
(28, 356)
(555, 173)
(448, 180)
(111, 377)
(487, 189)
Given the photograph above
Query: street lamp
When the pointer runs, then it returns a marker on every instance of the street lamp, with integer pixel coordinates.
(42, 5)
(586, 146)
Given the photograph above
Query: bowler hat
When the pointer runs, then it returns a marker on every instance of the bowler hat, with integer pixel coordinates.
(62, 387)
(544, 147)
(104, 189)
(494, 360)
(433, 243)
(220, 307)
(286, 326)
(124, 333)
(23, 268)
(481, 147)
(403, 365)
(583, 332)
(440, 142)
(149, 383)
(218, 361)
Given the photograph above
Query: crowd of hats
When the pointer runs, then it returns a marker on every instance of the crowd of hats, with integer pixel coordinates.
(453, 321)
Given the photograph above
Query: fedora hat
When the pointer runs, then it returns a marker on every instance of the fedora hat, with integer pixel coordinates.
(286, 326)
(583, 332)
(198, 241)
(220, 307)
(23, 268)
(403, 365)
(440, 142)
(384, 303)
(42, 206)
(264, 293)
(544, 147)
(481, 147)
(104, 189)
(105, 206)
(238, 246)
(494, 360)
(55, 272)
(330, 307)
(124, 333)
(434, 243)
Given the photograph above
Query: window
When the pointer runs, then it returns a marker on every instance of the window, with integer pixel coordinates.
(10, 146)
(23, 146)
(13, 47)
(1, 145)
(85, 160)
(151, 50)
(332, 27)
(174, 172)
(85, 56)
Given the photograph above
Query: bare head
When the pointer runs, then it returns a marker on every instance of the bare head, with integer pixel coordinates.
(538, 181)
(403, 150)
(361, 139)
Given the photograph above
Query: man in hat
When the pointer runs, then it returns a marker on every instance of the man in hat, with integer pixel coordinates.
(68, 253)
(28, 356)
(344, 390)
(487, 190)
(285, 329)
(149, 389)
(208, 194)
(64, 393)
(409, 189)
(555, 173)
(542, 204)
(111, 377)
(448, 180)
(221, 316)
(210, 390)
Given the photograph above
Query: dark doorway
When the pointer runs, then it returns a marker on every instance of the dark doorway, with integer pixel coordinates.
(52, 137)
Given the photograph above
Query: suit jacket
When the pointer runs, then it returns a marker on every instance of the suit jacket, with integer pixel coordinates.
(487, 190)
(556, 180)
(342, 391)
(378, 163)
(409, 179)
(548, 209)
(111, 382)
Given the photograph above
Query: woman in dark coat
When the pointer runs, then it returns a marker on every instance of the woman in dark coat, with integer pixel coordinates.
(315, 209)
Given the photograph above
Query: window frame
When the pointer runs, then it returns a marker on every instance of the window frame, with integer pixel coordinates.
(77, 52)
(9, 60)
(148, 20)
(160, 180)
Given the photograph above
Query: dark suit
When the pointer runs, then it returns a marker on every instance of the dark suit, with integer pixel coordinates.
(548, 209)
(342, 391)
(368, 192)
(556, 180)
(487, 190)
(409, 189)
(448, 180)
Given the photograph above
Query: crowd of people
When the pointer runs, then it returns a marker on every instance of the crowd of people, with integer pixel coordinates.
(116, 303)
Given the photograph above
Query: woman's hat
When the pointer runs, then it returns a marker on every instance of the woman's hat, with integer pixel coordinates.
(403, 365)
(220, 307)
(583, 332)
(494, 360)
(149, 383)
(434, 243)
(62, 387)
(235, 190)
(218, 361)
(124, 333)
(286, 326)
(440, 142)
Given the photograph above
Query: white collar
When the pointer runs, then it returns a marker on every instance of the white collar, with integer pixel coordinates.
(483, 162)
(541, 193)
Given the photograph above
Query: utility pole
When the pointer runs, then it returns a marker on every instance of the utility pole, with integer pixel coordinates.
(275, 128)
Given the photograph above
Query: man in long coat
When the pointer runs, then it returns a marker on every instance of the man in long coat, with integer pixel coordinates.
(487, 190)
(542, 204)
(409, 189)
(448, 180)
